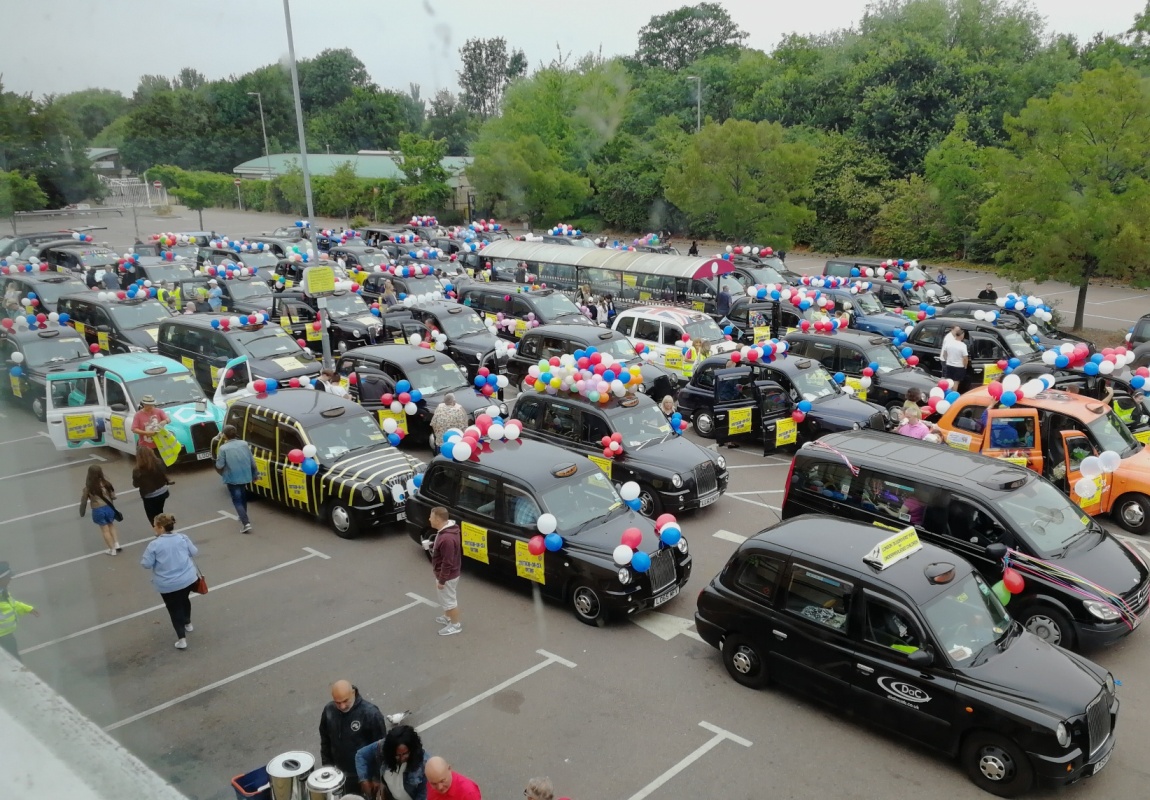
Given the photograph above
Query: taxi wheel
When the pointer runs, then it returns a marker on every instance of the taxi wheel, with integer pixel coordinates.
(997, 765)
(342, 521)
(744, 663)
(650, 504)
(894, 412)
(1048, 624)
(39, 410)
(704, 424)
(1133, 513)
(587, 606)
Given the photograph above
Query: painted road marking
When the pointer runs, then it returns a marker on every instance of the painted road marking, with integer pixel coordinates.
(685, 762)
(757, 491)
(729, 536)
(83, 460)
(548, 660)
(26, 439)
(98, 553)
(311, 554)
(754, 502)
(765, 463)
(666, 626)
(259, 667)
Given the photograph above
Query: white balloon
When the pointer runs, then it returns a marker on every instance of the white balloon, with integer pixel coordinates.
(979, 315)
(942, 406)
(411, 409)
(414, 339)
(1032, 329)
(495, 431)
(1106, 367)
(937, 392)
(502, 382)
(1049, 357)
(1066, 348)
(511, 430)
(1011, 383)
(1110, 461)
(309, 451)
(546, 523)
(622, 555)
(390, 425)
(461, 451)
(18, 358)
(1084, 487)
(865, 382)
(1091, 467)
(629, 490)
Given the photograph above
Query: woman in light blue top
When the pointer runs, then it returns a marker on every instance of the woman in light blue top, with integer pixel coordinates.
(169, 557)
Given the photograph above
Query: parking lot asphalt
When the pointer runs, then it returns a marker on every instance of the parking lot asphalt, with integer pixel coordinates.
(639, 709)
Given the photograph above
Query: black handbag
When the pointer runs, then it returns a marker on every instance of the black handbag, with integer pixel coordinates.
(116, 515)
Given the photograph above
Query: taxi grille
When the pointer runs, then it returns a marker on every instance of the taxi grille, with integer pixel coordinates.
(705, 480)
(662, 571)
(1098, 722)
(1138, 598)
(202, 435)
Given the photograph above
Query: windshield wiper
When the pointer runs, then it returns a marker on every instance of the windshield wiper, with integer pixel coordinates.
(652, 439)
(582, 527)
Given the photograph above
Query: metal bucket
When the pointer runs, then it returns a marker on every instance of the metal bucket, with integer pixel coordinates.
(287, 774)
(326, 783)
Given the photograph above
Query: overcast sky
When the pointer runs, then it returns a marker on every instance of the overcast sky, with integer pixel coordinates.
(111, 43)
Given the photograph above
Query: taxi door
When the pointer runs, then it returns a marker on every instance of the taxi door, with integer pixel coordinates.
(233, 388)
(370, 384)
(76, 411)
(1075, 448)
(121, 410)
(1012, 434)
(916, 701)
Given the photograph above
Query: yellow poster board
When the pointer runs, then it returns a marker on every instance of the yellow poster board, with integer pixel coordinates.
(319, 280)
(287, 363)
(786, 432)
(1096, 497)
(527, 565)
(17, 389)
(295, 483)
(673, 359)
(81, 328)
(188, 362)
(400, 418)
(474, 542)
(630, 280)
(740, 421)
(603, 464)
(1021, 461)
(856, 384)
(263, 476)
(80, 427)
(990, 372)
(1143, 436)
(104, 342)
(699, 305)
(215, 374)
(285, 323)
(312, 334)
(119, 432)
(761, 333)
(644, 296)
(168, 447)
(520, 328)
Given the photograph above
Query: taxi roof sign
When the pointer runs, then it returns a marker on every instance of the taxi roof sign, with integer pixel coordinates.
(319, 281)
(894, 548)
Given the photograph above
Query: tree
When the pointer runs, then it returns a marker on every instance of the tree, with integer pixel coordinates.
(341, 189)
(846, 195)
(92, 110)
(330, 78)
(20, 193)
(678, 38)
(364, 120)
(487, 69)
(627, 176)
(450, 121)
(956, 173)
(524, 179)
(189, 79)
(193, 199)
(1072, 193)
(150, 85)
(424, 178)
(290, 187)
(910, 220)
(743, 180)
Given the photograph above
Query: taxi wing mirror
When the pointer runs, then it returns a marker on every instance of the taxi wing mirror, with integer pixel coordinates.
(920, 659)
(997, 551)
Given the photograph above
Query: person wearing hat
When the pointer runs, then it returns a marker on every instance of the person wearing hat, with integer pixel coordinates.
(10, 610)
(148, 421)
(215, 295)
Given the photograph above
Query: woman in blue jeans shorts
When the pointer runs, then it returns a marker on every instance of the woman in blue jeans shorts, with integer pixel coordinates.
(99, 494)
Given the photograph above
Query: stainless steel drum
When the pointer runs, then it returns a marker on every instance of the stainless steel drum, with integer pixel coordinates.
(326, 783)
(287, 774)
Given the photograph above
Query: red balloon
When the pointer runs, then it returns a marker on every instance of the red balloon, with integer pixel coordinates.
(483, 422)
(736, 357)
(752, 355)
(487, 391)
(93, 348)
(994, 390)
(301, 342)
(404, 397)
(798, 416)
(1002, 364)
(260, 386)
(617, 437)
(315, 326)
(484, 371)
(296, 456)
(387, 399)
(595, 358)
(664, 519)
(1012, 581)
(535, 545)
(608, 452)
(805, 325)
(294, 383)
(632, 537)
(584, 362)
(605, 441)
(912, 360)
(554, 361)
(352, 379)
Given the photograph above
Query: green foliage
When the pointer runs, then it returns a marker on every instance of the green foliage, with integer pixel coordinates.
(743, 180)
(909, 220)
(330, 78)
(364, 120)
(673, 40)
(113, 134)
(450, 121)
(1071, 195)
(424, 178)
(20, 193)
(340, 190)
(628, 178)
(92, 110)
(956, 173)
(487, 70)
(846, 195)
(525, 179)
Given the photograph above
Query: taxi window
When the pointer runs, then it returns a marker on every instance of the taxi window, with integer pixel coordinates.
(647, 330)
(672, 334)
(826, 478)
(289, 439)
(705, 377)
(1012, 432)
(561, 420)
(477, 494)
(758, 576)
(260, 432)
(527, 411)
(439, 483)
(819, 597)
(929, 335)
(983, 348)
(529, 346)
(823, 352)
(519, 507)
(972, 418)
(891, 627)
(851, 360)
(732, 388)
(114, 393)
(899, 498)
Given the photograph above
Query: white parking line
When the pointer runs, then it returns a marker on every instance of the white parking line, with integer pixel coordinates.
(25, 439)
(99, 553)
(311, 554)
(548, 660)
(765, 463)
(754, 502)
(729, 536)
(757, 491)
(84, 460)
(686, 761)
(258, 667)
(74, 506)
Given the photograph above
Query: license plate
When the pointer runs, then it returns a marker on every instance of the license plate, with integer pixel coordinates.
(402, 515)
(664, 597)
(706, 501)
(1105, 759)
(203, 456)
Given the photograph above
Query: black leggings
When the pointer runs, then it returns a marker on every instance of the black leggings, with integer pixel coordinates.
(154, 506)
(179, 605)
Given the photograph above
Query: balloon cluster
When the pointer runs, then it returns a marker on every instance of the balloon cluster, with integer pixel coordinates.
(485, 225)
(547, 539)
(302, 223)
(678, 424)
(227, 323)
(305, 458)
(239, 245)
(1011, 584)
(509, 323)
(1010, 390)
(430, 253)
(140, 289)
(650, 240)
(489, 427)
(563, 229)
(128, 261)
(942, 396)
(404, 238)
(589, 373)
(343, 236)
(488, 383)
(298, 256)
(627, 552)
(13, 267)
(1079, 355)
(169, 239)
(33, 321)
(82, 237)
(228, 270)
(405, 270)
(424, 221)
(752, 250)
(1095, 467)
(1029, 305)
(1141, 378)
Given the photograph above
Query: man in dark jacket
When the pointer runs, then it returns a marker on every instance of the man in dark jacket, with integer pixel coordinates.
(348, 723)
(446, 563)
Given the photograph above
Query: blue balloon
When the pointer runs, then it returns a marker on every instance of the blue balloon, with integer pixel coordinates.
(416, 395)
(840, 378)
(728, 329)
(393, 439)
(951, 396)
(1090, 368)
(670, 535)
(1013, 363)
(640, 561)
(804, 406)
(403, 386)
(608, 375)
(272, 384)
(16, 372)
(480, 381)
(1137, 382)
(310, 466)
(553, 542)
(1097, 358)
(418, 479)
(32, 296)
(1062, 361)
(1008, 399)
(902, 275)
(873, 365)
(635, 504)
(492, 380)
(805, 304)
(907, 352)
(855, 272)
(580, 354)
(64, 318)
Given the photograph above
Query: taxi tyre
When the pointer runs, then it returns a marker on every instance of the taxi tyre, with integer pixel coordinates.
(744, 662)
(704, 423)
(1132, 512)
(39, 408)
(586, 604)
(1048, 623)
(996, 764)
(341, 520)
(894, 411)
(652, 505)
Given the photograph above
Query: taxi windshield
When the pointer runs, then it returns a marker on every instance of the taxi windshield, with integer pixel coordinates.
(619, 349)
(346, 305)
(253, 287)
(814, 382)
(867, 303)
(887, 358)
(1019, 343)
(167, 272)
(640, 425)
(554, 305)
(581, 499)
(1111, 433)
(456, 325)
(267, 342)
(99, 260)
(436, 378)
(704, 330)
(368, 260)
(348, 433)
(135, 315)
(41, 352)
(49, 292)
(256, 260)
(765, 276)
(169, 390)
(1045, 517)
(184, 250)
(966, 618)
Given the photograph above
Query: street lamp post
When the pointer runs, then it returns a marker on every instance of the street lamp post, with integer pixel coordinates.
(264, 127)
(698, 100)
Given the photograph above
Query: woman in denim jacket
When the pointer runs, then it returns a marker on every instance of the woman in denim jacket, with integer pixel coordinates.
(393, 767)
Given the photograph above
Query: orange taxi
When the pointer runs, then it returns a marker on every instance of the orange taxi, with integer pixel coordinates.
(1052, 433)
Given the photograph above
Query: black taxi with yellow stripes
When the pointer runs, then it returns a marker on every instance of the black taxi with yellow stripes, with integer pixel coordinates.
(910, 637)
(326, 456)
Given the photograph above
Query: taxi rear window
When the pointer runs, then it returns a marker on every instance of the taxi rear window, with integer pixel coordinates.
(758, 575)
(819, 597)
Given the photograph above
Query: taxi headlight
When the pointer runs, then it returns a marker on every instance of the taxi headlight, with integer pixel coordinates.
(855, 426)
(1062, 733)
(367, 493)
(1103, 611)
(624, 576)
(642, 388)
(682, 545)
(722, 462)
(1110, 686)
(677, 480)
(503, 409)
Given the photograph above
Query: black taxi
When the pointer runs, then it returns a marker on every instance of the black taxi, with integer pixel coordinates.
(131, 325)
(204, 344)
(674, 474)
(374, 284)
(28, 355)
(499, 498)
(515, 312)
(48, 286)
(239, 295)
(460, 331)
(910, 637)
(380, 369)
(986, 344)
(348, 475)
(350, 324)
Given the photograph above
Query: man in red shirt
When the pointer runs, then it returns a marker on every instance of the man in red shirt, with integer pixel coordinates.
(444, 782)
(446, 563)
(148, 421)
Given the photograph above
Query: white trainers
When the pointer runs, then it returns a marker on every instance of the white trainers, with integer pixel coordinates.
(110, 552)
(448, 630)
(189, 628)
(443, 620)
(182, 644)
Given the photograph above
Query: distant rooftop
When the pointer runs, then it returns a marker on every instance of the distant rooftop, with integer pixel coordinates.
(366, 163)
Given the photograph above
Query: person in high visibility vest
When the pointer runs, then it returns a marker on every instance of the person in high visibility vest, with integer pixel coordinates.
(10, 610)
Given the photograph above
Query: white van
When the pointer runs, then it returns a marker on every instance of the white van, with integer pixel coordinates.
(662, 330)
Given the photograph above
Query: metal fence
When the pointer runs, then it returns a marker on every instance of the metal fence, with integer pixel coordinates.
(133, 192)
